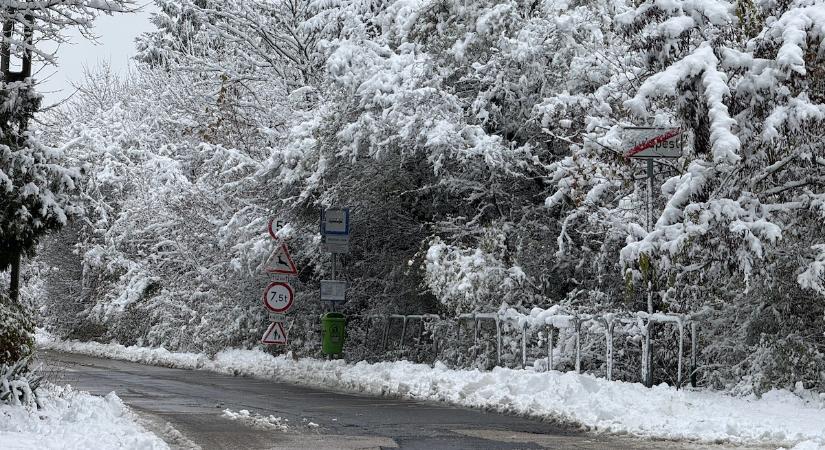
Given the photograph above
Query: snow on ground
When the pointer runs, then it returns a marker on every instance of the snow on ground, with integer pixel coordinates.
(73, 419)
(257, 421)
(778, 418)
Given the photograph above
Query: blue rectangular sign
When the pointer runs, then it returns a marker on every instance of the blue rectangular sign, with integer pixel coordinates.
(335, 222)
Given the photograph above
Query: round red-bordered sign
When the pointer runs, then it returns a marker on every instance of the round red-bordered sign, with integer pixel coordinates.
(278, 297)
(274, 226)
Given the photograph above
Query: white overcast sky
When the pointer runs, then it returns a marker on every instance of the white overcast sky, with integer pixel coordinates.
(115, 45)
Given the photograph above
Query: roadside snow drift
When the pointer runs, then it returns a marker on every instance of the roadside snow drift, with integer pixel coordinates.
(73, 420)
(778, 418)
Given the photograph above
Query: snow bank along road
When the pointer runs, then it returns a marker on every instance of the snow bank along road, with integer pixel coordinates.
(778, 418)
(198, 409)
(71, 419)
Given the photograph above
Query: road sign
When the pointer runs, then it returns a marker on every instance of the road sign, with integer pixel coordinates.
(649, 142)
(281, 262)
(277, 317)
(275, 334)
(335, 221)
(278, 297)
(274, 226)
(291, 279)
(335, 244)
(333, 291)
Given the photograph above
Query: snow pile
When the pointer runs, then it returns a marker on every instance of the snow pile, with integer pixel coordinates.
(72, 419)
(257, 421)
(778, 418)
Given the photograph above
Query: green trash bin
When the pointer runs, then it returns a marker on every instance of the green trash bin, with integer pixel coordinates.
(333, 333)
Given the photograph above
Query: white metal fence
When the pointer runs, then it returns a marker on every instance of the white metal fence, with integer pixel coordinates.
(378, 329)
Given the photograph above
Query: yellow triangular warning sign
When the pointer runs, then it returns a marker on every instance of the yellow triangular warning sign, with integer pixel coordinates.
(275, 334)
(281, 262)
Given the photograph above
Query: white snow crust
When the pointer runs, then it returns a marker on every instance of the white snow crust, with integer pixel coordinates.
(257, 421)
(779, 417)
(72, 419)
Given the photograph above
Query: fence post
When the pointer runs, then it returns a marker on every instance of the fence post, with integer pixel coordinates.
(435, 336)
(693, 343)
(498, 340)
(651, 324)
(609, 347)
(681, 352)
(458, 330)
(578, 325)
(524, 346)
(549, 348)
(386, 333)
(476, 328)
(646, 378)
(403, 332)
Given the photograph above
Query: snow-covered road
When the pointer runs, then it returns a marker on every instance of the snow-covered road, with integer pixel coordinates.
(214, 410)
(777, 419)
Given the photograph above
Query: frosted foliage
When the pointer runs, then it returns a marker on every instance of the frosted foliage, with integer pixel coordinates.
(37, 185)
(793, 30)
(701, 64)
(467, 280)
(479, 145)
(814, 275)
(50, 22)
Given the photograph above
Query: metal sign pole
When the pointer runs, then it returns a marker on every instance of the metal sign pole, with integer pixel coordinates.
(651, 143)
(649, 195)
(649, 334)
(650, 228)
(334, 264)
(335, 230)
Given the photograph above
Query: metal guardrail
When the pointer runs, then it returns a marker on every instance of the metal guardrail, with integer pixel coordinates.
(641, 320)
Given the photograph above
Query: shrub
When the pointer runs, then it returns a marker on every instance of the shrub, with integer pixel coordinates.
(16, 332)
(18, 385)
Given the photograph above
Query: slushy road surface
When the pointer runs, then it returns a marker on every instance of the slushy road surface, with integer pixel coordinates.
(186, 408)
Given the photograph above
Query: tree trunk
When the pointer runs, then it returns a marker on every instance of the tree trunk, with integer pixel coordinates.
(14, 285)
(8, 76)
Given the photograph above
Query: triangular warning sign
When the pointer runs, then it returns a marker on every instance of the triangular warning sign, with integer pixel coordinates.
(275, 334)
(281, 262)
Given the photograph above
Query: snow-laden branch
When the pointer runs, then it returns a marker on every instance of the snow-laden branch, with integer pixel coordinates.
(793, 30)
(814, 275)
(701, 65)
(49, 19)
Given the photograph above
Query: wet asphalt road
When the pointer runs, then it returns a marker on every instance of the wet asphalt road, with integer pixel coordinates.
(186, 407)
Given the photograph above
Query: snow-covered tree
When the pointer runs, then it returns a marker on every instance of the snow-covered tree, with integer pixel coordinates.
(480, 147)
(36, 186)
(738, 225)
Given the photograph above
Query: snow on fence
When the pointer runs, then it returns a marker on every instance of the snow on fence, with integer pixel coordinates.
(640, 323)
